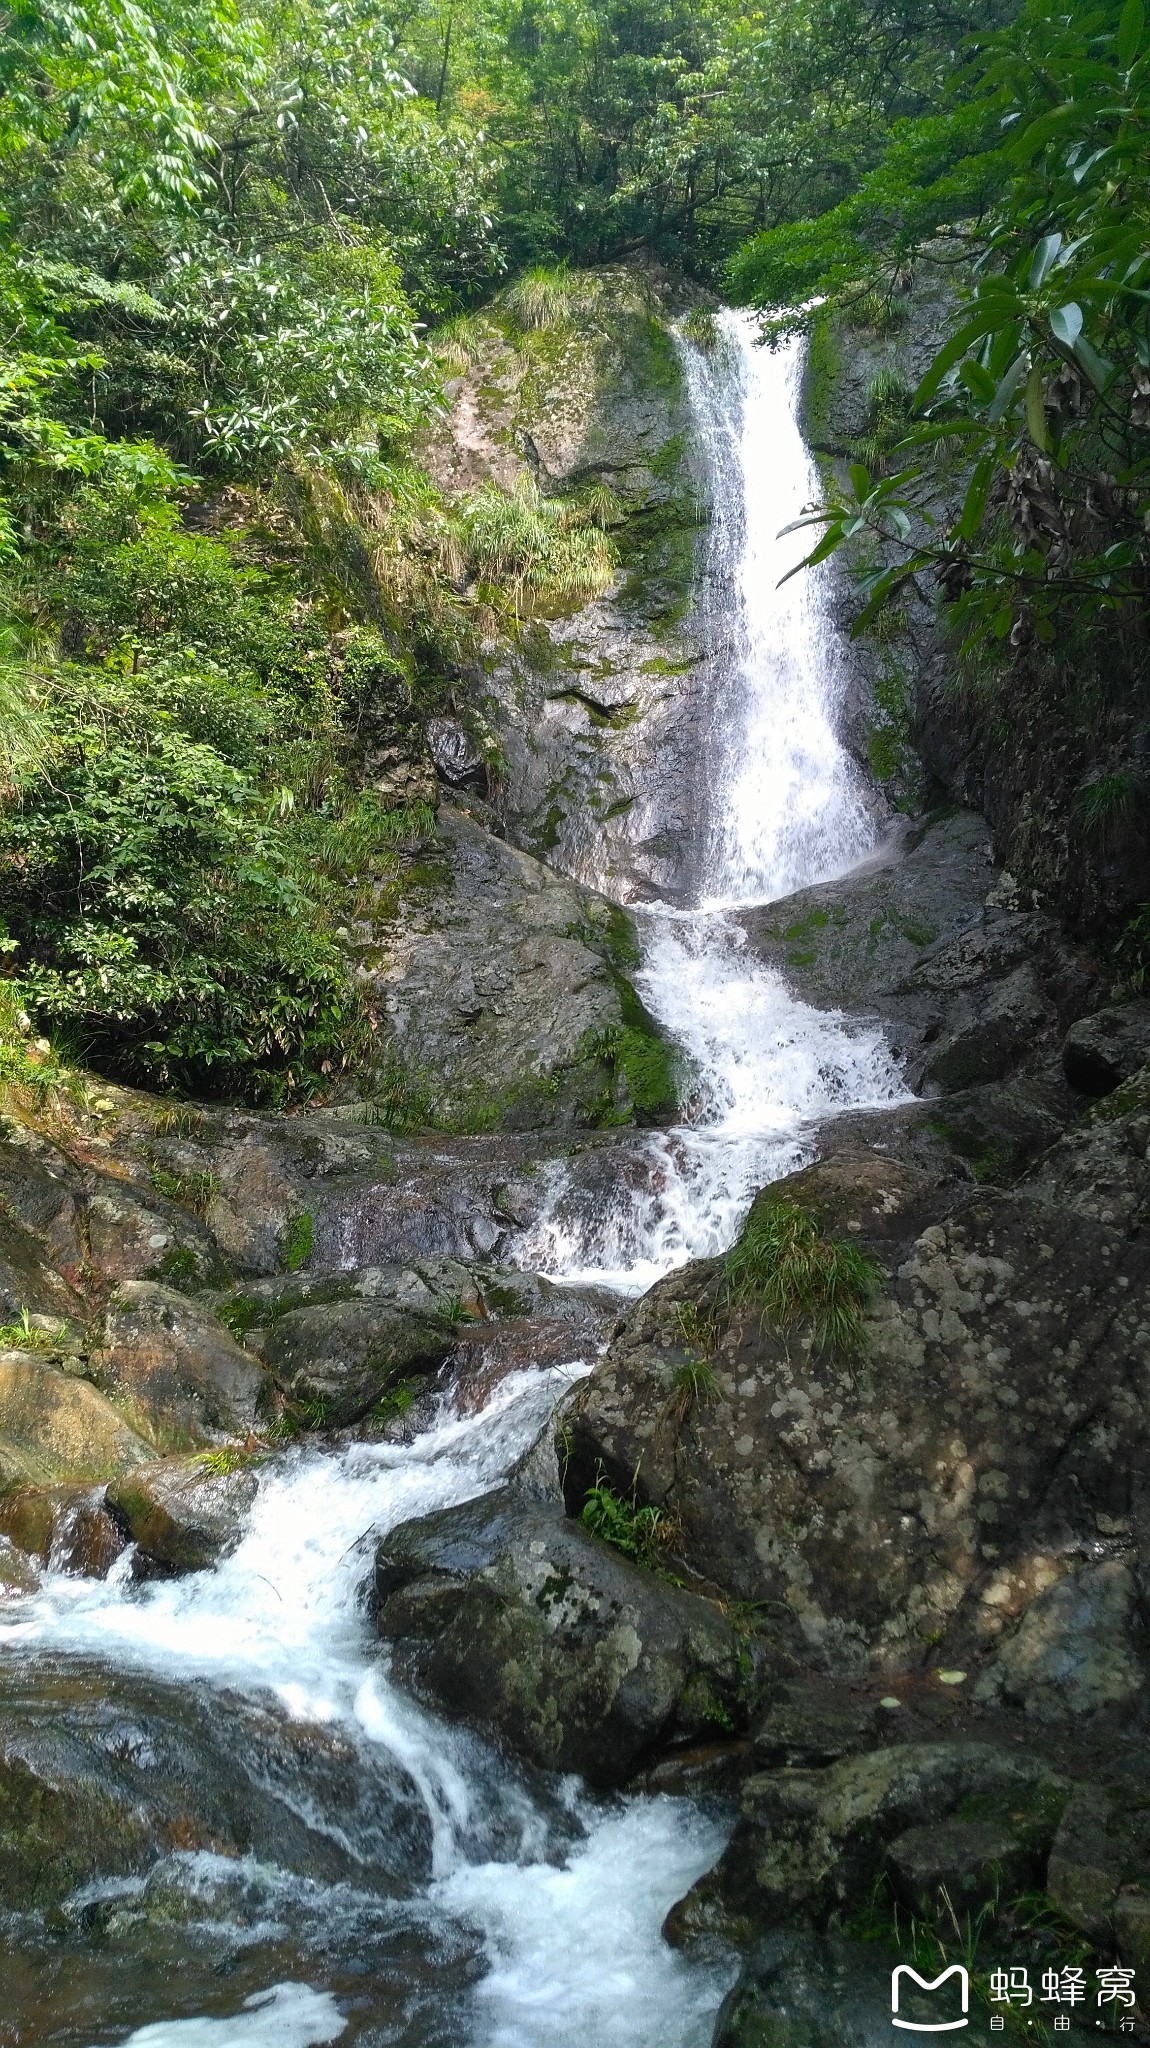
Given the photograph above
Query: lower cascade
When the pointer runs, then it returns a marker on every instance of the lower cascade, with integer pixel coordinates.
(493, 1908)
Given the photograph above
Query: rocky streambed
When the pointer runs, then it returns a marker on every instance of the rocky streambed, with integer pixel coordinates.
(417, 1628)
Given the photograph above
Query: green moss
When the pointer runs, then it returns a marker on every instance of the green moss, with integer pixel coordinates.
(820, 379)
(297, 1242)
(192, 1191)
(669, 457)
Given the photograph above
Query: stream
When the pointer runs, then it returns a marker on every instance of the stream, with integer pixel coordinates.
(525, 1914)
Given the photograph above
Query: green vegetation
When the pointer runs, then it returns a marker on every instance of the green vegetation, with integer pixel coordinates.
(641, 1533)
(242, 247)
(1026, 192)
(784, 1266)
(24, 1336)
(297, 1242)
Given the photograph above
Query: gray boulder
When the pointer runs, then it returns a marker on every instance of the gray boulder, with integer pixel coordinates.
(339, 1358)
(182, 1514)
(509, 1615)
(984, 1456)
(1102, 1051)
(810, 1845)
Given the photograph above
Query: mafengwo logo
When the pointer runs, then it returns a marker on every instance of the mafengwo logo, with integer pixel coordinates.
(904, 1972)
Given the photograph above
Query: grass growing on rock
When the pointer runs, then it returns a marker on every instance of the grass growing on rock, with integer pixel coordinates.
(640, 1533)
(785, 1266)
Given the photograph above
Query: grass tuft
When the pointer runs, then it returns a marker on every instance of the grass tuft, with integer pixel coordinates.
(785, 1266)
(542, 297)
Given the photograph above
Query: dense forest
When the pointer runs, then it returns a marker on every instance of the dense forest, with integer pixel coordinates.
(241, 244)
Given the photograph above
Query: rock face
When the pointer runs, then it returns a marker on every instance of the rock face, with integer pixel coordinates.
(811, 1845)
(1102, 1051)
(54, 1426)
(509, 1615)
(971, 1493)
(174, 1370)
(588, 712)
(974, 987)
(503, 988)
(93, 1784)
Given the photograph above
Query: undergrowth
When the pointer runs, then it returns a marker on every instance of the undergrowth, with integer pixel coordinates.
(639, 1532)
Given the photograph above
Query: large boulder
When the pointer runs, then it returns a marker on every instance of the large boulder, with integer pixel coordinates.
(338, 1359)
(182, 1514)
(1102, 1051)
(916, 1504)
(508, 1615)
(958, 1818)
(67, 1527)
(173, 1368)
(54, 1426)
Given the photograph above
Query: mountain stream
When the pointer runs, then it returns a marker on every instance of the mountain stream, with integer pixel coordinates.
(528, 1914)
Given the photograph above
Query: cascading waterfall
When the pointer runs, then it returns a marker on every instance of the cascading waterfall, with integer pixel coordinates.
(789, 808)
(564, 1899)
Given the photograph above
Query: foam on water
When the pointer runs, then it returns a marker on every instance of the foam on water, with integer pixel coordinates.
(286, 2016)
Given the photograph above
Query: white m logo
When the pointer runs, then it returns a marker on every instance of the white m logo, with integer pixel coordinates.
(929, 2026)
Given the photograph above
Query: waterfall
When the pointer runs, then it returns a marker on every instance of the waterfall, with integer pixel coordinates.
(788, 807)
(562, 1898)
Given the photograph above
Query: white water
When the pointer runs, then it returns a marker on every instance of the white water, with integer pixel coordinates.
(789, 808)
(571, 1933)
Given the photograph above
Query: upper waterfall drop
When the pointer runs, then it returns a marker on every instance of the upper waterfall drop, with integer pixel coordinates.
(789, 806)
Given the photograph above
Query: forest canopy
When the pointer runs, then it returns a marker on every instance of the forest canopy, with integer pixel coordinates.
(226, 229)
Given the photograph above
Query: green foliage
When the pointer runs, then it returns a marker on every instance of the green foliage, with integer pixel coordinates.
(784, 1266)
(541, 297)
(193, 1191)
(640, 1533)
(228, 1459)
(1030, 192)
(24, 1336)
(297, 1242)
(692, 1381)
(393, 1405)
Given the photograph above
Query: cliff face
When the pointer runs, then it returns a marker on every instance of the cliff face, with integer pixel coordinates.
(579, 709)
(1048, 745)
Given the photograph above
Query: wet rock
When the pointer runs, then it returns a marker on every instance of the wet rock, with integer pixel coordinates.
(174, 1369)
(1085, 1867)
(917, 1504)
(66, 1527)
(182, 1515)
(1079, 1647)
(457, 758)
(507, 1614)
(1102, 1051)
(55, 1426)
(810, 1844)
(97, 1782)
(339, 1358)
(18, 1574)
(970, 988)
(799, 1991)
